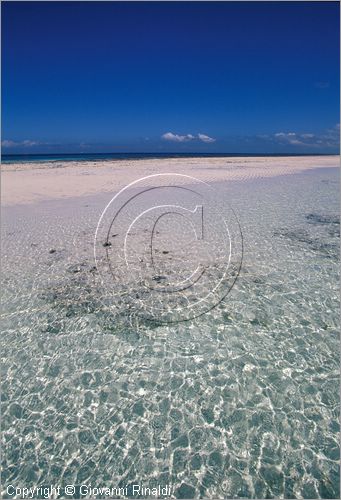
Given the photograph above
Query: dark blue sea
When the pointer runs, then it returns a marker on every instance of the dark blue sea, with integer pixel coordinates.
(24, 158)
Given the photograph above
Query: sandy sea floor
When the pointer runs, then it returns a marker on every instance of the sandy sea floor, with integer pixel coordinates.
(242, 401)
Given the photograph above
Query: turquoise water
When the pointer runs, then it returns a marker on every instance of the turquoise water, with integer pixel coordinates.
(242, 402)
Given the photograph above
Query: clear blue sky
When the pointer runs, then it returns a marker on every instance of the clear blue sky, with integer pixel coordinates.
(163, 76)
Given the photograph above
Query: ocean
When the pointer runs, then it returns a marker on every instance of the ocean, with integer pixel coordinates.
(34, 158)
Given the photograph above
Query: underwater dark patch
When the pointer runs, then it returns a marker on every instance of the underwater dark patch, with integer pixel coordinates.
(303, 238)
(313, 218)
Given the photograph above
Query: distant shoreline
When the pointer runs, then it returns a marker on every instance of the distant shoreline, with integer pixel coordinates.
(69, 157)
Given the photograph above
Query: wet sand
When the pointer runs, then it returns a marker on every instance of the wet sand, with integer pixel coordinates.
(33, 182)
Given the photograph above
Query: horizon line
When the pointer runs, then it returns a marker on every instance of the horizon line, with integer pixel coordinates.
(171, 153)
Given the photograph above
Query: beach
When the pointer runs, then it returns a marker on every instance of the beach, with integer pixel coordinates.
(33, 182)
(241, 401)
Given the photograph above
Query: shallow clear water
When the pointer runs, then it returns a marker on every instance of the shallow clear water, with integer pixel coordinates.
(241, 402)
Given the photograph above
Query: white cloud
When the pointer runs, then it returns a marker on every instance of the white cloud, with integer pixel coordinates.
(296, 142)
(205, 138)
(288, 138)
(8, 144)
(169, 136)
(285, 134)
(30, 143)
(26, 143)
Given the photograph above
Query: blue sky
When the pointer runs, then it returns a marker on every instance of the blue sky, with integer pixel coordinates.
(162, 76)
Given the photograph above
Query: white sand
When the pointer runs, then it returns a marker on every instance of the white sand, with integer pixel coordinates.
(33, 182)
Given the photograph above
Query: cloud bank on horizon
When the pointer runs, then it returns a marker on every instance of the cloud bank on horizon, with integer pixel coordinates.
(326, 141)
(329, 138)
